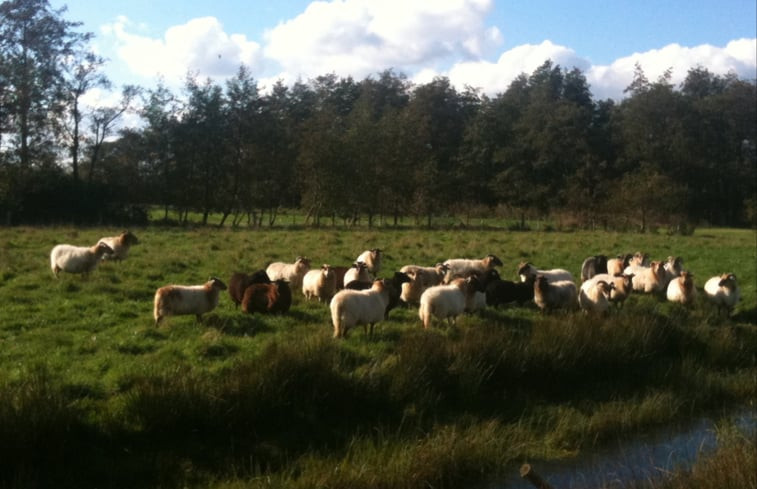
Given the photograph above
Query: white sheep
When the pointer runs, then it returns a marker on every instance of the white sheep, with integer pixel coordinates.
(357, 272)
(291, 272)
(622, 286)
(319, 283)
(77, 259)
(594, 296)
(372, 260)
(421, 279)
(352, 307)
(673, 267)
(559, 294)
(615, 266)
(681, 289)
(526, 270)
(723, 291)
(120, 245)
(445, 301)
(175, 300)
(648, 279)
(464, 267)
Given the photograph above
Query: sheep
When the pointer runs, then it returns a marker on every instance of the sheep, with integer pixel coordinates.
(593, 297)
(239, 281)
(557, 294)
(119, 244)
(395, 284)
(463, 267)
(526, 269)
(267, 298)
(673, 267)
(722, 291)
(77, 259)
(421, 279)
(475, 295)
(647, 279)
(615, 266)
(446, 301)
(291, 272)
(319, 283)
(367, 307)
(681, 289)
(358, 271)
(372, 260)
(499, 292)
(593, 265)
(623, 286)
(175, 300)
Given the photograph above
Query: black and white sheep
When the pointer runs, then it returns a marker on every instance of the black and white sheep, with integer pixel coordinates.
(593, 265)
(358, 272)
(175, 300)
(500, 292)
(372, 260)
(723, 291)
(291, 272)
(319, 283)
(77, 259)
(120, 245)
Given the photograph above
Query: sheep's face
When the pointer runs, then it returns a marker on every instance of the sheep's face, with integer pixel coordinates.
(605, 287)
(400, 278)
(687, 280)
(129, 238)
(327, 270)
(492, 261)
(216, 283)
(727, 280)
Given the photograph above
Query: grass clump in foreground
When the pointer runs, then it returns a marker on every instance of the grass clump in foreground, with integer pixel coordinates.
(92, 393)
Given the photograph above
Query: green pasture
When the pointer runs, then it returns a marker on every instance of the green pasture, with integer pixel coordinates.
(96, 395)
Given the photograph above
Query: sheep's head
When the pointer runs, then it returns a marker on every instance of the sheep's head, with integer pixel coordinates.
(216, 283)
(526, 268)
(606, 287)
(327, 270)
(102, 248)
(128, 238)
(492, 261)
(302, 263)
(400, 278)
(727, 280)
(441, 268)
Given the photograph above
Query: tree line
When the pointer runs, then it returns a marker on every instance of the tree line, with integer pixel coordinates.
(348, 150)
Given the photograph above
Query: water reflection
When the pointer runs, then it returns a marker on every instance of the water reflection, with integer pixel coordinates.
(640, 458)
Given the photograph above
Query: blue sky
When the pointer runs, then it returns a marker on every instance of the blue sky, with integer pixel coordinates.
(481, 43)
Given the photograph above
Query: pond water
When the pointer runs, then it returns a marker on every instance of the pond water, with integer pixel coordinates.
(639, 458)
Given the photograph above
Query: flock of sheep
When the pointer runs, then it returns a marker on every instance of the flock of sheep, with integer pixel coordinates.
(443, 292)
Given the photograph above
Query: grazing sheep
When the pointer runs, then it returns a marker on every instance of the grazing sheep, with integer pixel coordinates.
(622, 286)
(446, 301)
(291, 272)
(681, 289)
(270, 298)
(77, 259)
(119, 244)
(673, 267)
(723, 291)
(594, 296)
(319, 283)
(593, 265)
(647, 279)
(421, 279)
(615, 266)
(367, 307)
(559, 294)
(372, 260)
(463, 267)
(175, 300)
(358, 271)
(499, 292)
(240, 281)
(526, 269)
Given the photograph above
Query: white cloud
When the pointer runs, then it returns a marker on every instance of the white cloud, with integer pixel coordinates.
(361, 37)
(200, 45)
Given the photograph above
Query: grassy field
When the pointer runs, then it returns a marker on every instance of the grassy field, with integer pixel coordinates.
(93, 395)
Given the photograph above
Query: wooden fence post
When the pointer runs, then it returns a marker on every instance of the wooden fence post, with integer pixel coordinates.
(528, 473)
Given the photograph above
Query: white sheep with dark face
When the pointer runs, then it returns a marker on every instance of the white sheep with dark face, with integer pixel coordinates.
(77, 259)
(176, 300)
